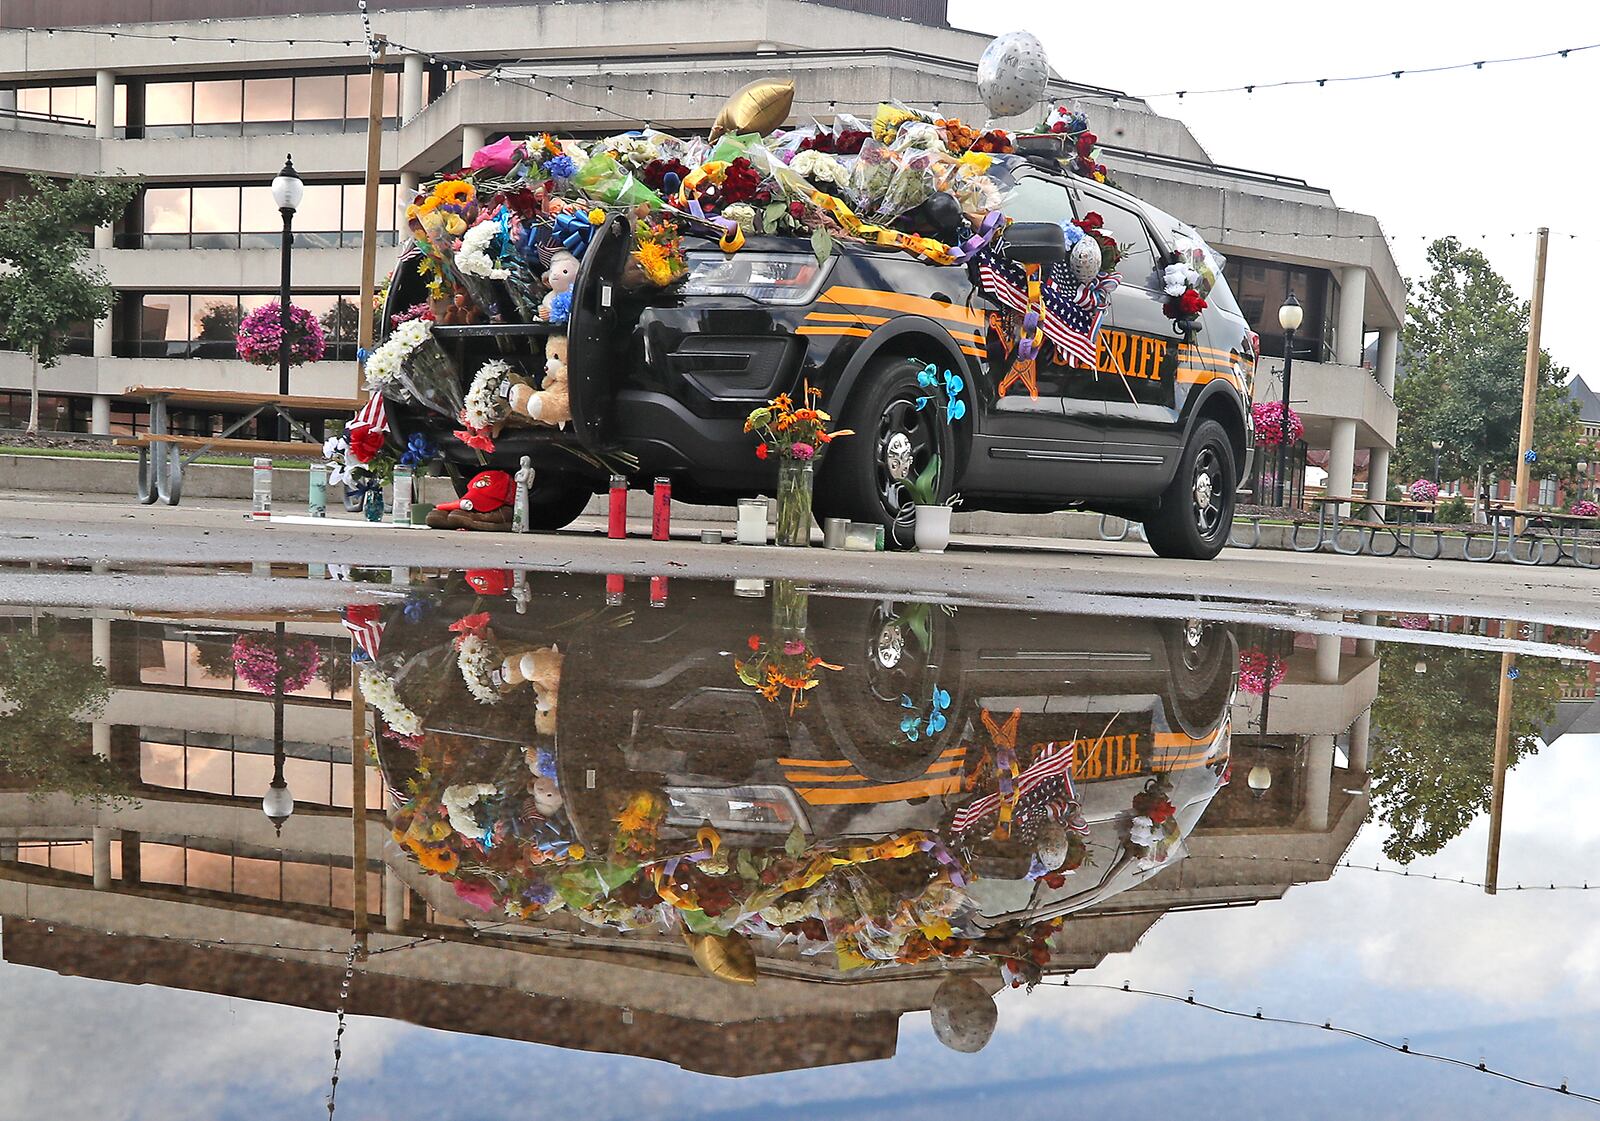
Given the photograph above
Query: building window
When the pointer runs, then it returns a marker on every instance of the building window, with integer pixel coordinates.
(72, 105)
(233, 217)
(225, 106)
(1547, 492)
(1260, 287)
(206, 324)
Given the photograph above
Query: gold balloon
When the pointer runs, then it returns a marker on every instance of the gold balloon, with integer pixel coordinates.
(759, 107)
(727, 957)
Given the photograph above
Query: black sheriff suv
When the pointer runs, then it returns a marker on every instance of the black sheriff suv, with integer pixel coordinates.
(1157, 429)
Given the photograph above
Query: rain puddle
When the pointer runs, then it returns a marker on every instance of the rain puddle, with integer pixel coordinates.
(809, 852)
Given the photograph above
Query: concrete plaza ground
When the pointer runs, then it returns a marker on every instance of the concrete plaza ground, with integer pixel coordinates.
(1025, 572)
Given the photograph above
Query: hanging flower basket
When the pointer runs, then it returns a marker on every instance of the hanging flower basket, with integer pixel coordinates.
(1585, 509)
(256, 661)
(1268, 417)
(1423, 490)
(261, 334)
(1260, 672)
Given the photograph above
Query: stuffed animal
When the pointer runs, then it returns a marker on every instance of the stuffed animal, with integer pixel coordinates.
(561, 276)
(550, 404)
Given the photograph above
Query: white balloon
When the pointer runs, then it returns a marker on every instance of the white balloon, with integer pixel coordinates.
(1083, 261)
(1013, 74)
(963, 1014)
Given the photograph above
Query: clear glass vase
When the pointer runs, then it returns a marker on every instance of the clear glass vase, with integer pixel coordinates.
(791, 602)
(794, 503)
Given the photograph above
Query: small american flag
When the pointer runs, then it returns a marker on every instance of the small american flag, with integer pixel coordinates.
(363, 622)
(1072, 311)
(1043, 790)
(373, 417)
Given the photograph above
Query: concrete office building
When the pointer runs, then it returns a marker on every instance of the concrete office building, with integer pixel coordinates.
(203, 103)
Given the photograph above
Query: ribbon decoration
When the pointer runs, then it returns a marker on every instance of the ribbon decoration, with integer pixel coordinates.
(1026, 368)
(732, 239)
(574, 230)
(935, 252)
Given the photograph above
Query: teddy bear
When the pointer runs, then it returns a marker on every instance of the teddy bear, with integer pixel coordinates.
(551, 404)
(559, 278)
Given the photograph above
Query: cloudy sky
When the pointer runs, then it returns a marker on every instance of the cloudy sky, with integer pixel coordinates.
(1493, 152)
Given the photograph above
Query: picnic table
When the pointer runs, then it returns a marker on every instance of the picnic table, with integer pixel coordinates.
(1570, 535)
(162, 455)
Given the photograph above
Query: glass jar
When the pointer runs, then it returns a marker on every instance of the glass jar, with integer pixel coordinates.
(794, 503)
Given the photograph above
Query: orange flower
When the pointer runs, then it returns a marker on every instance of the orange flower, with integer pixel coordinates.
(440, 860)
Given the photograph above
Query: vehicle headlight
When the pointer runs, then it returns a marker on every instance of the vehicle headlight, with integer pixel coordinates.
(764, 809)
(770, 278)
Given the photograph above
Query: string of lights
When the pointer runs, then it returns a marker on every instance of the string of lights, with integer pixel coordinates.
(338, 1033)
(1404, 873)
(1389, 237)
(1402, 1048)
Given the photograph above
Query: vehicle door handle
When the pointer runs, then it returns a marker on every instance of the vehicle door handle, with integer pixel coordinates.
(940, 297)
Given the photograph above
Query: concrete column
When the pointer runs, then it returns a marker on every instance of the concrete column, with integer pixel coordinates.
(100, 415)
(104, 343)
(1347, 332)
(100, 848)
(105, 105)
(1388, 355)
(1326, 666)
(394, 902)
(473, 137)
(1378, 474)
(1368, 647)
(411, 87)
(1319, 781)
(1360, 734)
(8, 106)
(1342, 459)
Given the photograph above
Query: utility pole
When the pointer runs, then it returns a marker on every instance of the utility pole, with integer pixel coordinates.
(369, 225)
(1530, 376)
(1502, 754)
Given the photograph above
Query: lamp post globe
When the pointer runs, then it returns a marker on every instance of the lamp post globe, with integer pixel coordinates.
(277, 803)
(287, 191)
(1259, 780)
(1290, 316)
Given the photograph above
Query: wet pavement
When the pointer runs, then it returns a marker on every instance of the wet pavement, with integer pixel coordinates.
(782, 847)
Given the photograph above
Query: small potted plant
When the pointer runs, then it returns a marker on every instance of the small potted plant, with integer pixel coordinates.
(931, 529)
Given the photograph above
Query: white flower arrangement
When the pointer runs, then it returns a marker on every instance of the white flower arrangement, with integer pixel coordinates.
(384, 363)
(380, 692)
(820, 166)
(635, 151)
(485, 406)
(742, 213)
(478, 661)
(458, 802)
(473, 257)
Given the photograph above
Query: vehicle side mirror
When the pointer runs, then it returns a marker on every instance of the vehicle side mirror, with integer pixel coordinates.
(1035, 243)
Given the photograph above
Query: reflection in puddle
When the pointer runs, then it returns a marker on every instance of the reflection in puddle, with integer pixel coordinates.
(740, 828)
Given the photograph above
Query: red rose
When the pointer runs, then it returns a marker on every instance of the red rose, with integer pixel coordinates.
(1191, 302)
(1086, 143)
(1091, 221)
(754, 642)
(365, 443)
(850, 141)
(761, 451)
(1162, 811)
(739, 182)
(1059, 127)
(656, 171)
(797, 209)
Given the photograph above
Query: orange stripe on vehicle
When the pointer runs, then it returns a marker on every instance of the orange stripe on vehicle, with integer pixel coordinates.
(974, 351)
(895, 301)
(1179, 739)
(854, 332)
(894, 792)
(813, 762)
(862, 781)
(851, 317)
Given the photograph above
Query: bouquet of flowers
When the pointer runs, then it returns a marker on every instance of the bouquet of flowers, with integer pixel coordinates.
(260, 665)
(792, 433)
(1584, 508)
(1269, 424)
(782, 665)
(261, 334)
(412, 363)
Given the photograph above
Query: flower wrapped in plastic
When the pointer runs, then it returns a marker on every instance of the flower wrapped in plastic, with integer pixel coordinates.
(477, 263)
(607, 181)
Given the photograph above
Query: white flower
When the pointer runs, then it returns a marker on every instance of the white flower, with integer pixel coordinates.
(1143, 832)
(458, 802)
(383, 364)
(477, 662)
(473, 257)
(335, 447)
(742, 213)
(381, 695)
(819, 165)
(484, 406)
(635, 151)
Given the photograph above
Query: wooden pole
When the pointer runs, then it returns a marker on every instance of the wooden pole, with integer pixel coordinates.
(1530, 374)
(369, 225)
(1502, 753)
(358, 810)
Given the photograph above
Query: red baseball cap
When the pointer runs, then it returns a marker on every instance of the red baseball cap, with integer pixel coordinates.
(488, 490)
(489, 581)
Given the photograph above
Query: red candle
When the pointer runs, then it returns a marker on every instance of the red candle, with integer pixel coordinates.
(658, 591)
(661, 511)
(617, 524)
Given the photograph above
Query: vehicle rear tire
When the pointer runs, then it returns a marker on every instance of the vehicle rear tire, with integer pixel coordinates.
(1195, 514)
(862, 474)
(555, 500)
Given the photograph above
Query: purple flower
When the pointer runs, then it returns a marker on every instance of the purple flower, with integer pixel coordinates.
(802, 451)
(540, 893)
(793, 646)
(261, 332)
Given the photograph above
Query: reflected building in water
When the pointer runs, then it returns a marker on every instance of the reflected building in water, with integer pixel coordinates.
(191, 886)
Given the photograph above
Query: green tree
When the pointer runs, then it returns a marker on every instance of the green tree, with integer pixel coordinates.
(1466, 337)
(46, 285)
(1433, 739)
(48, 694)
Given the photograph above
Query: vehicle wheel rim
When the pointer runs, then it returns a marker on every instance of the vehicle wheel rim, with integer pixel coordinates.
(905, 443)
(1207, 492)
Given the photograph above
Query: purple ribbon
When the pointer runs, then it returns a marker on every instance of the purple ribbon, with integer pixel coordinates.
(942, 855)
(986, 231)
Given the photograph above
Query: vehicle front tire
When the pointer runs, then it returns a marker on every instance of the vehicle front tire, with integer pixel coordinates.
(1195, 514)
(862, 474)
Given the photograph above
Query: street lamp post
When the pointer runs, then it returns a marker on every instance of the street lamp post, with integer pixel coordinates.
(287, 191)
(1438, 446)
(1289, 317)
(277, 803)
